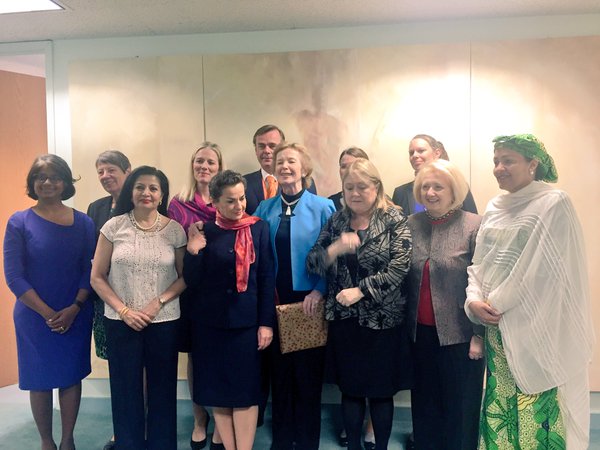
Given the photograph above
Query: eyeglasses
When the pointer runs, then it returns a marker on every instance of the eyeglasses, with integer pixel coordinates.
(42, 178)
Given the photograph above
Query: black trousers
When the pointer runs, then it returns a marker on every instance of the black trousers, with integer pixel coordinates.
(446, 398)
(129, 353)
(296, 384)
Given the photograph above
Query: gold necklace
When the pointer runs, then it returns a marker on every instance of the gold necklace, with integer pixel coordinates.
(155, 225)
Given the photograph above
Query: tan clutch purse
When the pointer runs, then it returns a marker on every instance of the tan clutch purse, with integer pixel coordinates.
(297, 331)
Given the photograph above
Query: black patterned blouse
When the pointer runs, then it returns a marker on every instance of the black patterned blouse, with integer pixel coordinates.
(383, 261)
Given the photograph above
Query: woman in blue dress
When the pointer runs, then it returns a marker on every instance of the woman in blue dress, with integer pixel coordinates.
(47, 257)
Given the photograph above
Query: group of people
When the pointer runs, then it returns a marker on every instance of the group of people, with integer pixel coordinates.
(419, 293)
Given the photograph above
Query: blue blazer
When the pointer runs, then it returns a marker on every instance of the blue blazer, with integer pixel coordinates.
(255, 192)
(310, 214)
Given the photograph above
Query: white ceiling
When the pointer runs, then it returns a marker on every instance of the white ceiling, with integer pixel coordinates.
(108, 18)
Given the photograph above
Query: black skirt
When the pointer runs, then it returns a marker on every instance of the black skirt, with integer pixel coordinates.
(184, 327)
(365, 362)
(226, 367)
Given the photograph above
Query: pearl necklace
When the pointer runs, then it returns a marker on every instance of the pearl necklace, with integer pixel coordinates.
(154, 226)
(288, 211)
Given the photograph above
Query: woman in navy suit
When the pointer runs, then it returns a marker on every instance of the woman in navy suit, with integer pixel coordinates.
(234, 313)
(295, 218)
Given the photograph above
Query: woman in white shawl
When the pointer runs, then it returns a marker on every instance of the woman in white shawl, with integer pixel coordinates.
(528, 285)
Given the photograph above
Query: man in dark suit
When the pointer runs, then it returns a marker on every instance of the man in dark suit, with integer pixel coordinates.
(262, 184)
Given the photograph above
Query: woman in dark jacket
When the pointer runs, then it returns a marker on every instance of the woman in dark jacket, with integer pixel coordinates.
(112, 167)
(347, 157)
(364, 251)
(233, 314)
(423, 149)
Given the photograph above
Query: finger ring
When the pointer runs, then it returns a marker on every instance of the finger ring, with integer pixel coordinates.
(62, 328)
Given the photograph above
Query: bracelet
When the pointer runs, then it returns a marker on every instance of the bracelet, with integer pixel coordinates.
(162, 301)
(123, 312)
(79, 303)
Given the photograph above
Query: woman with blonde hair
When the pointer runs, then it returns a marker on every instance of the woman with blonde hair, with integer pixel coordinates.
(193, 204)
(423, 149)
(448, 348)
(295, 217)
(364, 252)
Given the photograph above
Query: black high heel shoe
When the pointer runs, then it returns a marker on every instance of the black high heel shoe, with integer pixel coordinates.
(199, 445)
(343, 439)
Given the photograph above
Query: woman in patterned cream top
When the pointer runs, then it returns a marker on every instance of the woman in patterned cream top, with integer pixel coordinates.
(137, 271)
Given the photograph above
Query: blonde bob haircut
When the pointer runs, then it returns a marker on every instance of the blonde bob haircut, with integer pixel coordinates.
(189, 190)
(305, 161)
(459, 185)
(367, 171)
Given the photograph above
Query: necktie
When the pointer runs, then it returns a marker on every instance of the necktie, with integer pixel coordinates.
(271, 183)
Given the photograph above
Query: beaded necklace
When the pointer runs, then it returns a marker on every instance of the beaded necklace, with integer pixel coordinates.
(155, 226)
(445, 216)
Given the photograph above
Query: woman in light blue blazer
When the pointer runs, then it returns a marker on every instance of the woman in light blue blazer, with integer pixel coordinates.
(295, 218)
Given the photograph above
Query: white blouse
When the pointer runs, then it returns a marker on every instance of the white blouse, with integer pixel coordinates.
(142, 265)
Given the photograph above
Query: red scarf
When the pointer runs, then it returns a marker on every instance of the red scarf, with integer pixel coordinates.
(244, 247)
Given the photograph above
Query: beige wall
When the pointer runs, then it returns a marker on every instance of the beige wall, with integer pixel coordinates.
(22, 138)
(157, 110)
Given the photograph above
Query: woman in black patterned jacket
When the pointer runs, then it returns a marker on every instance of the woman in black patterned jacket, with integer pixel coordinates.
(364, 251)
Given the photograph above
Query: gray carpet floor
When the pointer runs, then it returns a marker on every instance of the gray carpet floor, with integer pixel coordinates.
(18, 431)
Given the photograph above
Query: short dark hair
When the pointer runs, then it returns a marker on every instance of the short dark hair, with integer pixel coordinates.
(114, 157)
(265, 129)
(124, 203)
(61, 168)
(222, 180)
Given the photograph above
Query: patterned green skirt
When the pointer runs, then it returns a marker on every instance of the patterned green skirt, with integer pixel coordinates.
(99, 332)
(511, 419)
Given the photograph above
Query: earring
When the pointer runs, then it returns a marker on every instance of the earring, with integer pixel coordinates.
(531, 172)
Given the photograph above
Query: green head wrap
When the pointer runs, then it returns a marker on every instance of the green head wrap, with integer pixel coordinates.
(530, 147)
